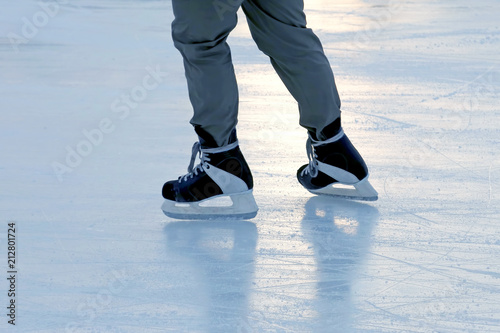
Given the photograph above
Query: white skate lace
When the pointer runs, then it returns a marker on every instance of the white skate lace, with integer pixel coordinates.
(312, 168)
(193, 171)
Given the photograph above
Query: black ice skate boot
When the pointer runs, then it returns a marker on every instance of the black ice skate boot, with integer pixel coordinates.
(336, 168)
(219, 187)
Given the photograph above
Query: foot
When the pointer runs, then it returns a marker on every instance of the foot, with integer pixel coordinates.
(220, 186)
(336, 168)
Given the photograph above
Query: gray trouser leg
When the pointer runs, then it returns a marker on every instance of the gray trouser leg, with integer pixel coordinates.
(278, 27)
(199, 31)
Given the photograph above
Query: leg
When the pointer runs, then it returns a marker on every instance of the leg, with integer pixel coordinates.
(221, 184)
(199, 31)
(279, 29)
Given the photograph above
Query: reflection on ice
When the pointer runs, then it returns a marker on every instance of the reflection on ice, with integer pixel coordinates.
(340, 233)
(221, 256)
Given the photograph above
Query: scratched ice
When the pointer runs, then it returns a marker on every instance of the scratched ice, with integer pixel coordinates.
(94, 118)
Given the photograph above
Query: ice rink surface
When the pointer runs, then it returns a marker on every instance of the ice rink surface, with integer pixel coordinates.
(94, 118)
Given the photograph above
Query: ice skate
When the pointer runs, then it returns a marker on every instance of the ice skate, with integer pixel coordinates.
(219, 187)
(336, 168)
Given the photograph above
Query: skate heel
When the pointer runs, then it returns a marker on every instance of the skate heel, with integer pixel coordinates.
(361, 190)
(244, 203)
(366, 190)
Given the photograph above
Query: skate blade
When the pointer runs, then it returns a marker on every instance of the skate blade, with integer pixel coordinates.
(362, 190)
(225, 206)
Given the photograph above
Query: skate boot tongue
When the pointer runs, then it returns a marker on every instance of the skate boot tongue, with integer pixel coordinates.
(312, 168)
(195, 150)
(192, 170)
(203, 155)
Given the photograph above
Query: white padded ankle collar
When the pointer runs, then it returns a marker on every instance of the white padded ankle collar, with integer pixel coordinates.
(337, 137)
(220, 149)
